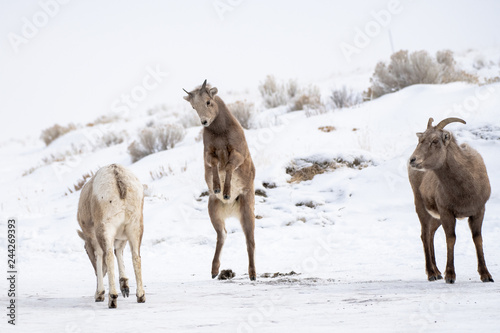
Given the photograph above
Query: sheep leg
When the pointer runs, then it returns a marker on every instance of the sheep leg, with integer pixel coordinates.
(247, 220)
(448, 221)
(119, 246)
(212, 162)
(99, 294)
(475, 224)
(134, 235)
(215, 175)
(110, 262)
(429, 226)
(434, 225)
(214, 210)
(234, 162)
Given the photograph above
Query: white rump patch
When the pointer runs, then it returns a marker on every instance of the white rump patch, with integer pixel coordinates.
(434, 214)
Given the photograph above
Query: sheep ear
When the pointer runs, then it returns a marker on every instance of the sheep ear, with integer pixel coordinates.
(189, 95)
(419, 135)
(213, 91)
(446, 137)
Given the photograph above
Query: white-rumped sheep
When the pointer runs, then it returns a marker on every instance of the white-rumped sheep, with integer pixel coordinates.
(449, 182)
(228, 166)
(110, 214)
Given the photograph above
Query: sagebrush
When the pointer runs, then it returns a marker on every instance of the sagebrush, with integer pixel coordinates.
(309, 98)
(50, 134)
(273, 93)
(406, 69)
(155, 139)
(344, 98)
(243, 111)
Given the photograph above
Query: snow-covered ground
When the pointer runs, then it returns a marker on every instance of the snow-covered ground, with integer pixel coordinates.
(346, 244)
(351, 235)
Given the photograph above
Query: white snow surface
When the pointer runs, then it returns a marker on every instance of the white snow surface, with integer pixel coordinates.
(357, 252)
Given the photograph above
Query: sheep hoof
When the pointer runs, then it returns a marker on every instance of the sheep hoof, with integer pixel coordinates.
(124, 287)
(141, 299)
(125, 292)
(217, 191)
(112, 301)
(487, 279)
(435, 277)
(450, 280)
(99, 296)
(214, 276)
(227, 196)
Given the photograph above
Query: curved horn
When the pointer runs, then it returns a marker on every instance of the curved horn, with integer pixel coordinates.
(429, 123)
(446, 121)
(187, 92)
(203, 85)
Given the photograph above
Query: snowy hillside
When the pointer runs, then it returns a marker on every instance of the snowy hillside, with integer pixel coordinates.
(350, 234)
(85, 84)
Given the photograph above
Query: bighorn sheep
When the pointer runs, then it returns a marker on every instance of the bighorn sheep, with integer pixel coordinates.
(110, 214)
(449, 182)
(228, 165)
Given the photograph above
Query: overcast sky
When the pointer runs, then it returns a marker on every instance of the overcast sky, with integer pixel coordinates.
(75, 61)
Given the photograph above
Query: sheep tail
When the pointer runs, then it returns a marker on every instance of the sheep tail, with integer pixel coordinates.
(122, 187)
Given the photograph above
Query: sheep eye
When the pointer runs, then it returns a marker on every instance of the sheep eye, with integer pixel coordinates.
(435, 142)
(208, 103)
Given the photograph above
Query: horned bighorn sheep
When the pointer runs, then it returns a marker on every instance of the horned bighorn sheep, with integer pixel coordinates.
(449, 182)
(228, 165)
(110, 214)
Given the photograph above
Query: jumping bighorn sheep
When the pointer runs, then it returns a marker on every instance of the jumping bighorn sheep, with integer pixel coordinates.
(228, 165)
(110, 214)
(449, 182)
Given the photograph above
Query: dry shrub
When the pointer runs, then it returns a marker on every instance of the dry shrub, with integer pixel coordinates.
(309, 98)
(53, 158)
(156, 139)
(406, 69)
(243, 111)
(80, 182)
(105, 119)
(29, 171)
(161, 172)
(344, 98)
(157, 108)
(491, 80)
(113, 138)
(189, 119)
(480, 62)
(292, 88)
(50, 134)
(273, 93)
(312, 168)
